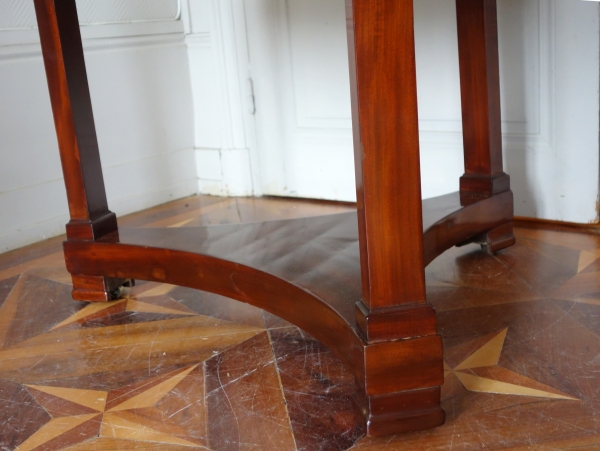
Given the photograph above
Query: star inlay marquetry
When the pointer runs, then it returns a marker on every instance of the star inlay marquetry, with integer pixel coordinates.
(171, 368)
(129, 413)
(148, 298)
(480, 372)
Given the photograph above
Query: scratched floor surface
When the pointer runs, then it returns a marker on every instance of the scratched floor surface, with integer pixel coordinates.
(169, 368)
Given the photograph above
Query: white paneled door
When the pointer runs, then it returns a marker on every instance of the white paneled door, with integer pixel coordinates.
(549, 78)
(299, 66)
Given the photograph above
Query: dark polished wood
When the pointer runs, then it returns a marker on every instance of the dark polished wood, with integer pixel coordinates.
(484, 176)
(255, 372)
(354, 281)
(480, 92)
(383, 82)
(76, 132)
(386, 142)
(307, 271)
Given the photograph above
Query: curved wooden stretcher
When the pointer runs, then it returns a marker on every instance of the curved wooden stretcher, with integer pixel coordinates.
(355, 281)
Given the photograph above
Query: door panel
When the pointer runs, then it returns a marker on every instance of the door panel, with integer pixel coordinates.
(299, 65)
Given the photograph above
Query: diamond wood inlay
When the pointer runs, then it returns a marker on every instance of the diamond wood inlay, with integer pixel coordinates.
(181, 369)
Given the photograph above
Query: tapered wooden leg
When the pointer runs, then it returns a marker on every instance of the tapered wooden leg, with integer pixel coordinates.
(480, 92)
(72, 107)
(482, 128)
(402, 360)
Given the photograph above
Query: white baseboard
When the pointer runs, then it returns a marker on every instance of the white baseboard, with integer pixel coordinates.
(224, 172)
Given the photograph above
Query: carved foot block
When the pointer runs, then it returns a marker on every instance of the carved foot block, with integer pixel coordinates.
(500, 238)
(395, 323)
(401, 412)
(97, 289)
(475, 187)
(496, 239)
(403, 365)
(92, 229)
(401, 385)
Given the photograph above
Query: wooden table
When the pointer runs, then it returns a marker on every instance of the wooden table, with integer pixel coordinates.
(354, 281)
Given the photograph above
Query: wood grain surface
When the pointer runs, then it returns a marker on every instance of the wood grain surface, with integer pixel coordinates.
(354, 281)
(520, 333)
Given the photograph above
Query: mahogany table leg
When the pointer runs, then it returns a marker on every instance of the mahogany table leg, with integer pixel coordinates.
(480, 91)
(394, 318)
(71, 104)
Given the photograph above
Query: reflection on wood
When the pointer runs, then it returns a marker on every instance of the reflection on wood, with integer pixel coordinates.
(295, 389)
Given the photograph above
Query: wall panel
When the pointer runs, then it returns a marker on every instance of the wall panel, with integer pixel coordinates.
(141, 94)
(549, 63)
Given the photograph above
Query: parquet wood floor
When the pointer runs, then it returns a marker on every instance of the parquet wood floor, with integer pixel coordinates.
(169, 368)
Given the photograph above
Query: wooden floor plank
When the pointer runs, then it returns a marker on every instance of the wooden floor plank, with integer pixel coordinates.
(198, 371)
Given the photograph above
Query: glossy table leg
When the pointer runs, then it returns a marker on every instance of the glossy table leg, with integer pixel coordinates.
(76, 132)
(482, 127)
(386, 143)
(356, 282)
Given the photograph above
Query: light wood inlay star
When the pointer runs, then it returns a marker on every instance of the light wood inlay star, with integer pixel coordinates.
(93, 399)
(480, 372)
(279, 390)
(53, 430)
(92, 311)
(131, 303)
(586, 258)
(152, 289)
(120, 421)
